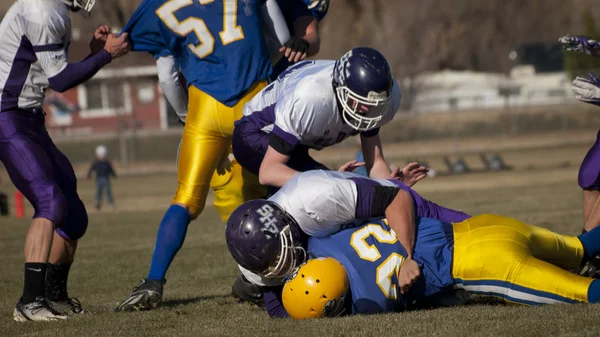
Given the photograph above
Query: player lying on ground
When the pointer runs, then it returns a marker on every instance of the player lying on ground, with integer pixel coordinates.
(588, 91)
(221, 49)
(35, 36)
(265, 237)
(486, 254)
(313, 105)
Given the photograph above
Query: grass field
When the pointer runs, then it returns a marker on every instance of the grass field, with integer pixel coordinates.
(116, 251)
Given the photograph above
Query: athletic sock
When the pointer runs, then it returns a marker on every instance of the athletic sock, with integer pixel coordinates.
(594, 292)
(35, 279)
(591, 243)
(56, 281)
(169, 240)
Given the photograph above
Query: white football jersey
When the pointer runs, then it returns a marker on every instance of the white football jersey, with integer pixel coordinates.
(301, 106)
(34, 36)
(321, 202)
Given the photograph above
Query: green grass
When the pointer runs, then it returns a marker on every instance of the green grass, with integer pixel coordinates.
(116, 251)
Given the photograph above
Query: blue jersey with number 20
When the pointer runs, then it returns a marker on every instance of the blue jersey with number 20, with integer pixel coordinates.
(219, 44)
(372, 256)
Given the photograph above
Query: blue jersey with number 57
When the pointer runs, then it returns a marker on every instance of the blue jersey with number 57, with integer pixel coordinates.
(219, 44)
(372, 254)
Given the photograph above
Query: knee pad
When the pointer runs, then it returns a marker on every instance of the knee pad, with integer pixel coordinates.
(76, 223)
(51, 204)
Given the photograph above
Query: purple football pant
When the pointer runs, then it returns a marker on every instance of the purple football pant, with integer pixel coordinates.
(41, 172)
(589, 171)
(427, 209)
(249, 144)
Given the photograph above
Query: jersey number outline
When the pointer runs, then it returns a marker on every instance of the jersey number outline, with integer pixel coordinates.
(231, 30)
(386, 269)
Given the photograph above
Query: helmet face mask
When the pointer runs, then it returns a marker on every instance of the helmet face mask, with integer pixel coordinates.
(288, 259)
(78, 5)
(357, 110)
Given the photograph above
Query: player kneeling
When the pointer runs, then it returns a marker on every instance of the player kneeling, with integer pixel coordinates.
(356, 269)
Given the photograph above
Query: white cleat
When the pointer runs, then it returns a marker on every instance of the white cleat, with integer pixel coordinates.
(38, 310)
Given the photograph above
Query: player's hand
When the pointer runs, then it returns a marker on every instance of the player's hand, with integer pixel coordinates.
(581, 44)
(99, 38)
(587, 90)
(410, 174)
(409, 274)
(295, 49)
(117, 46)
(351, 165)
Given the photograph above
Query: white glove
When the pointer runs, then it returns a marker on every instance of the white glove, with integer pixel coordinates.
(587, 90)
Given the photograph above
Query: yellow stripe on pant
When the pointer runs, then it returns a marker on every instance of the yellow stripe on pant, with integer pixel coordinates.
(203, 156)
(501, 256)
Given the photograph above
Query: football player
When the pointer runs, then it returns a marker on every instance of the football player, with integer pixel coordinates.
(220, 48)
(35, 36)
(357, 269)
(588, 90)
(313, 105)
(265, 237)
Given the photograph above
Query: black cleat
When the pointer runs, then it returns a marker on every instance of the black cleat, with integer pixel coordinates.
(68, 307)
(246, 291)
(38, 310)
(146, 296)
(591, 268)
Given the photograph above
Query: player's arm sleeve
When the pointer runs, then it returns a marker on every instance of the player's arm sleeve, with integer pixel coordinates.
(274, 22)
(46, 34)
(168, 78)
(372, 197)
(273, 302)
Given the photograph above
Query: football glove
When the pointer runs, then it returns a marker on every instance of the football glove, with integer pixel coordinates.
(587, 90)
(297, 44)
(581, 44)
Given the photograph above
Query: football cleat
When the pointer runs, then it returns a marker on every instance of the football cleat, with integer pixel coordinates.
(591, 268)
(146, 296)
(38, 310)
(245, 291)
(68, 306)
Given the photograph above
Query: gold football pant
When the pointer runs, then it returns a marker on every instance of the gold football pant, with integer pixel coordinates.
(204, 156)
(500, 256)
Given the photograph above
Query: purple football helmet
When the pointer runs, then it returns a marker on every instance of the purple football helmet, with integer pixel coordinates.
(363, 83)
(264, 239)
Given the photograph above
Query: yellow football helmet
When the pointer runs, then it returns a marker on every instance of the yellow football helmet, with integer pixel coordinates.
(316, 289)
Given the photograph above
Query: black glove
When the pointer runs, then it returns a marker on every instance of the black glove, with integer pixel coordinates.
(181, 122)
(297, 44)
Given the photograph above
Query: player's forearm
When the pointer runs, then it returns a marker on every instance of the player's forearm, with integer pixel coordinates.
(77, 73)
(374, 159)
(307, 28)
(401, 219)
(380, 170)
(275, 174)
